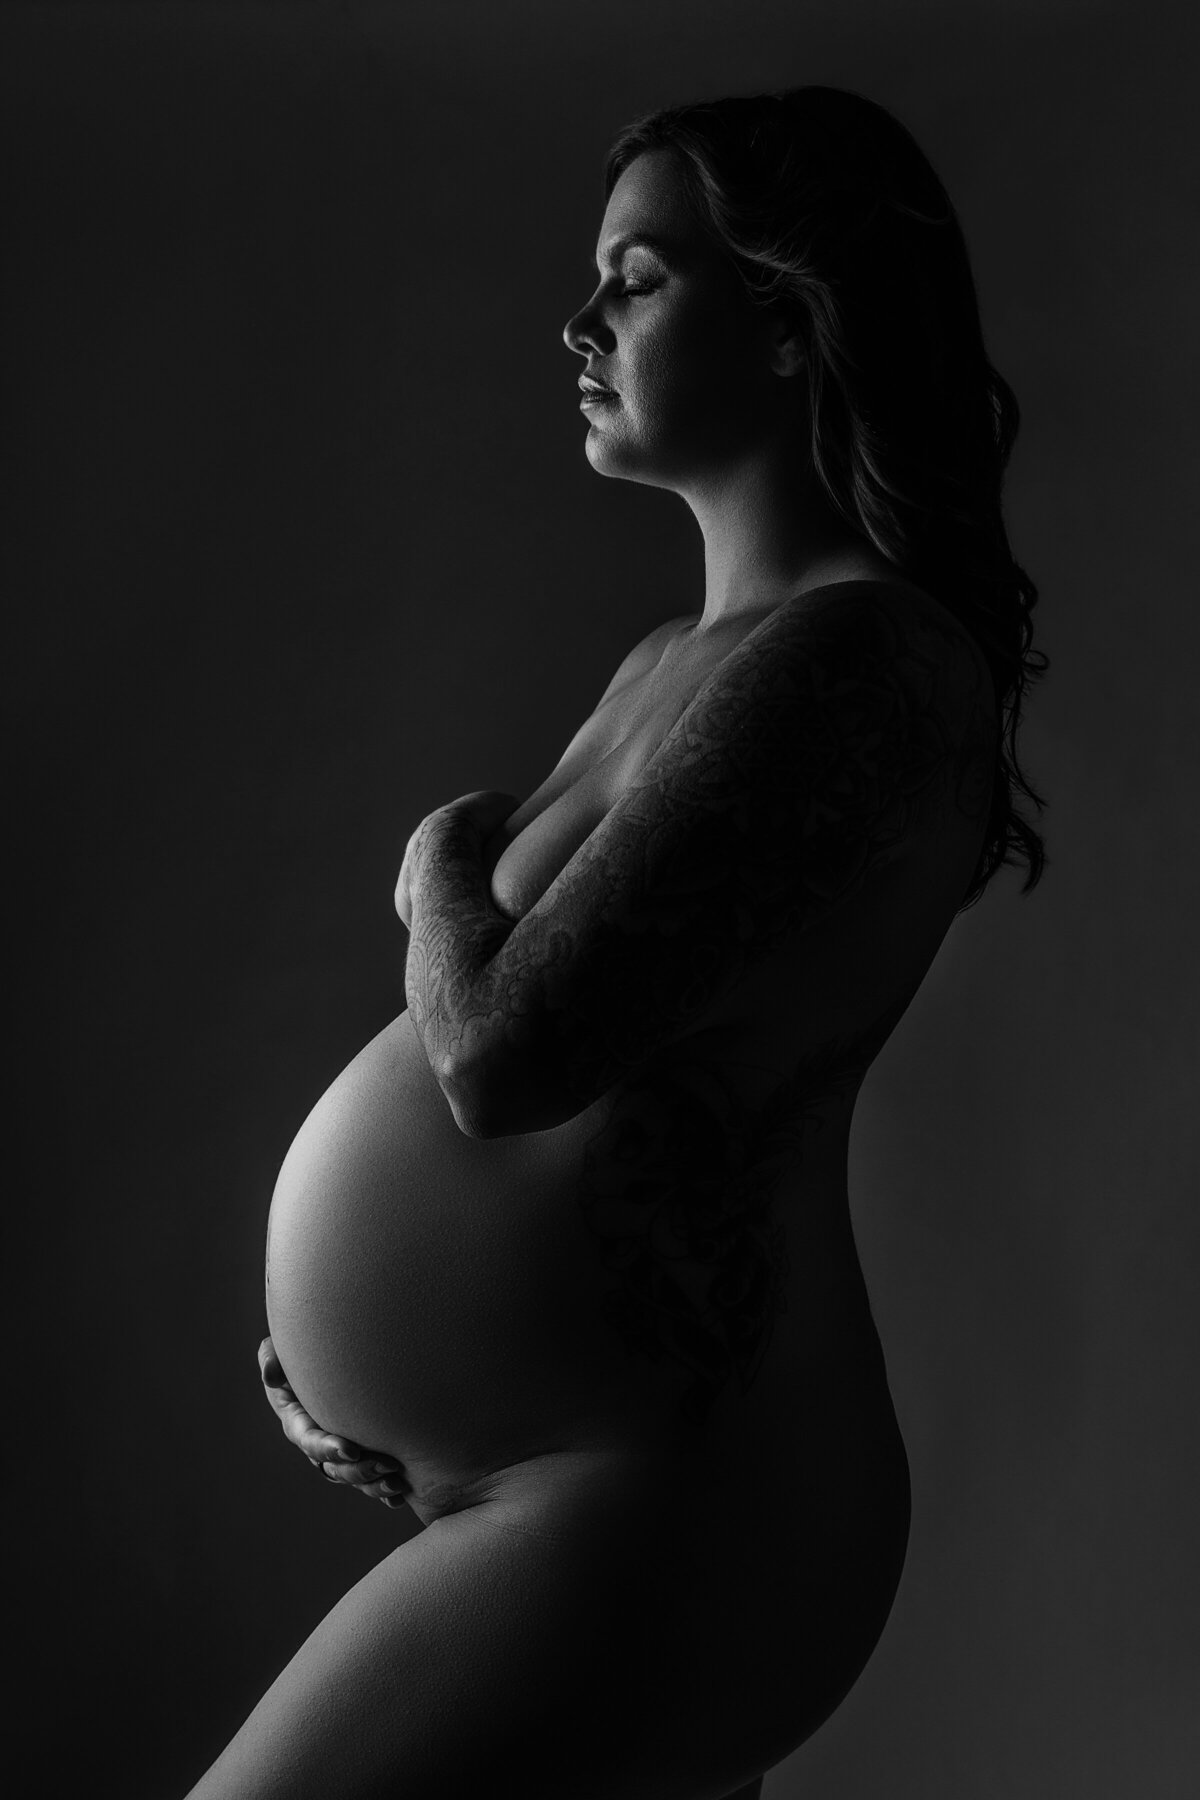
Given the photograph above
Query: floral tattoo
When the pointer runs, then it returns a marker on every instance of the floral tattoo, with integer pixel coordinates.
(838, 731)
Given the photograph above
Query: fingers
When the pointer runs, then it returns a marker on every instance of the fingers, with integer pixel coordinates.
(483, 811)
(485, 808)
(311, 1439)
(339, 1459)
(378, 1477)
(299, 1426)
(269, 1364)
(402, 898)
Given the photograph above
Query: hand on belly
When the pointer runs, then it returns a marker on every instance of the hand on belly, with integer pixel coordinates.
(369, 1472)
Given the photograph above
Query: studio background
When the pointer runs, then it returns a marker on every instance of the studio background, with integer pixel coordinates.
(300, 543)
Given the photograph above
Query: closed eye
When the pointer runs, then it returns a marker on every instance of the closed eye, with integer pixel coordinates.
(628, 288)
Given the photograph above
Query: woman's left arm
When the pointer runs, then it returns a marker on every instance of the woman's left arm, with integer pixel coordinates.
(841, 735)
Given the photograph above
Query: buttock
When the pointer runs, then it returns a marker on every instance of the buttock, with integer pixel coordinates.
(743, 1628)
(588, 1627)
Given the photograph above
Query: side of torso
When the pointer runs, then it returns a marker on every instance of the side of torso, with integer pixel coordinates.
(746, 1124)
(682, 1250)
(856, 970)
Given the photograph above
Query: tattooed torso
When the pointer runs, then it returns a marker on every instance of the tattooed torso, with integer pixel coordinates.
(676, 1258)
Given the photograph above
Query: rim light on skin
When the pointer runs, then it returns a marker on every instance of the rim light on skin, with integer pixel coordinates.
(814, 198)
(690, 387)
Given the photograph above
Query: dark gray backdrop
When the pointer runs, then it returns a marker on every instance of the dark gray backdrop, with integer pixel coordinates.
(300, 543)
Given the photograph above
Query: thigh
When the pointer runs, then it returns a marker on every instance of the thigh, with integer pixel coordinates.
(556, 1641)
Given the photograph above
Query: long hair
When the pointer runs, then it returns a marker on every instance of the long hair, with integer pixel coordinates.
(827, 207)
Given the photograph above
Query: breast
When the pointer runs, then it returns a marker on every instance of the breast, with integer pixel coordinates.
(538, 840)
(428, 1293)
(450, 1300)
(530, 849)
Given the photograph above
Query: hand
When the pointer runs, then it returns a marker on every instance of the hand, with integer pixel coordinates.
(483, 811)
(378, 1476)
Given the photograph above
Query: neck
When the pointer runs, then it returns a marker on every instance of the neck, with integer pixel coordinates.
(770, 534)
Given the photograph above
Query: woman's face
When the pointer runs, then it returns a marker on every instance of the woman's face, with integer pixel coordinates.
(672, 332)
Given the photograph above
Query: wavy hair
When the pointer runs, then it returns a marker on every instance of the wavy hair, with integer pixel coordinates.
(828, 208)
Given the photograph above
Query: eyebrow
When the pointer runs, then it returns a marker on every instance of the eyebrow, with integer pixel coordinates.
(642, 240)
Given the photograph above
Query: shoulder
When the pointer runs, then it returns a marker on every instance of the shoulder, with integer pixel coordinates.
(863, 637)
(926, 639)
(843, 698)
(874, 612)
(646, 654)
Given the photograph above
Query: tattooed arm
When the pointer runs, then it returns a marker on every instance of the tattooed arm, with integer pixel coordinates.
(839, 736)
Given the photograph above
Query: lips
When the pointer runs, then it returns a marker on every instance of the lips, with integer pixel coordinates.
(588, 384)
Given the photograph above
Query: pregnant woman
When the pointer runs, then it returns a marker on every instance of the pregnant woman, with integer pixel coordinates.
(563, 1260)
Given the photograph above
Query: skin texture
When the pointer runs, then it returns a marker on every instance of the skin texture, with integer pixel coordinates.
(710, 972)
(372, 1473)
(840, 737)
(679, 1191)
(820, 750)
(710, 403)
(871, 730)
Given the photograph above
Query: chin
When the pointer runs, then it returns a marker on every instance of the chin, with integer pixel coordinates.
(610, 454)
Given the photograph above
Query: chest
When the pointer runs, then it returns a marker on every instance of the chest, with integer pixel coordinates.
(609, 750)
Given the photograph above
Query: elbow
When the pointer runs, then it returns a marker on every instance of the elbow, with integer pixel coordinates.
(466, 1097)
(500, 1096)
(468, 1115)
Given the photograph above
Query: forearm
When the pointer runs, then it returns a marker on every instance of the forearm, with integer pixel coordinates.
(454, 934)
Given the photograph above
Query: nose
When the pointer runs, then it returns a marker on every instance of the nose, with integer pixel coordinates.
(586, 331)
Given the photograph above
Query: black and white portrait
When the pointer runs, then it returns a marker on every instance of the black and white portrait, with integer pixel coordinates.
(602, 665)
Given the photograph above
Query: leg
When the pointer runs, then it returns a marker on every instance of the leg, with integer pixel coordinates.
(484, 1656)
(589, 1630)
(431, 1679)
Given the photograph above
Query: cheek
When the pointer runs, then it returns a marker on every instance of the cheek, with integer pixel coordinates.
(692, 377)
(660, 374)
(664, 363)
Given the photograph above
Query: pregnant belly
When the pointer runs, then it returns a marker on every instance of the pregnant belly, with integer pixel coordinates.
(435, 1295)
(449, 1300)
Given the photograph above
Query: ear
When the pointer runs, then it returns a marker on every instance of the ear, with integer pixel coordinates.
(787, 350)
(785, 346)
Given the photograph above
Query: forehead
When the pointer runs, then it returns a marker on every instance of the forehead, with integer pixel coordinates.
(649, 199)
